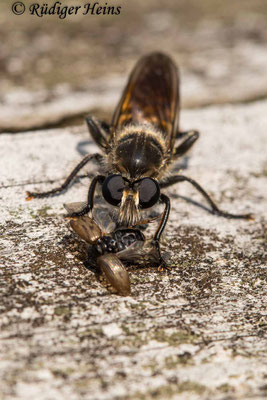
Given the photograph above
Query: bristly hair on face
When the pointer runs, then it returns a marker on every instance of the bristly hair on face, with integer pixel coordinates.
(129, 214)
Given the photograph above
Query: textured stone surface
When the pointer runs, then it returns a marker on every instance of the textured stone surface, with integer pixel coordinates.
(196, 332)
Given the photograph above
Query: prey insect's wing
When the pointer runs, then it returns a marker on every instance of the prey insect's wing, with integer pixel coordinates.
(140, 252)
(74, 207)
(115, 272)
(86, 228)
(151, 96)
(102, 216)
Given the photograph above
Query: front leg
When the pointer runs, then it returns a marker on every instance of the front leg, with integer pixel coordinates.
(90, 198)
(165, 199)
(97, 157)
(214, 209)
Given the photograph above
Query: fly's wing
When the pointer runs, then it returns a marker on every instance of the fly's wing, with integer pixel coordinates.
(151, 95)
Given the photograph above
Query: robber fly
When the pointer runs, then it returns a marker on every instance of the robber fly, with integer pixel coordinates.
(111, 247)
(139, 147)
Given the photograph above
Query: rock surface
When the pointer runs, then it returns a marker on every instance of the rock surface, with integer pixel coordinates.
(55, 70)
(196, 332)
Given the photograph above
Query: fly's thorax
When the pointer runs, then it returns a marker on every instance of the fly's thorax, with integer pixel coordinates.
(138, 150)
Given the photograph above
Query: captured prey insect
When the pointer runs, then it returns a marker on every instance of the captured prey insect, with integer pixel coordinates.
(139, 147)
(110, 248)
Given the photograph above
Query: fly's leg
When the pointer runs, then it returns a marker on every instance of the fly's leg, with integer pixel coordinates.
(97, 157)
(90, 198)
(214, 209)
(192, 137)
(105, 126)
(165, 199)
(99, 131)
(182, 134)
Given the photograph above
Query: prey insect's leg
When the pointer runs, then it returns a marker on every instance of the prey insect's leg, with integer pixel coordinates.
(85, 160)
(187, 143)
(165, 199)
(90, 198)
(215, 210)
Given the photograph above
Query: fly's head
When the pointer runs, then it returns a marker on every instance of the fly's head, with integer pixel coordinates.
(131, 196)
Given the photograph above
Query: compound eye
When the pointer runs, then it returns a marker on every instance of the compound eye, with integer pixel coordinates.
(112, 189)
(149, 192)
